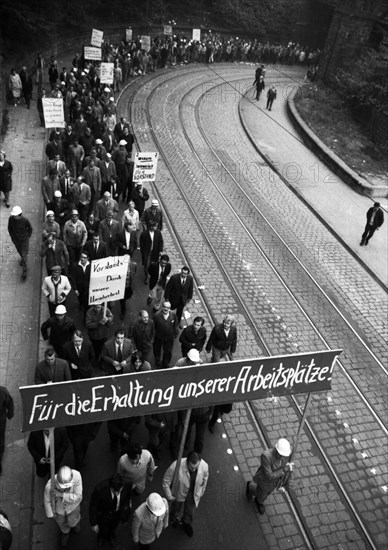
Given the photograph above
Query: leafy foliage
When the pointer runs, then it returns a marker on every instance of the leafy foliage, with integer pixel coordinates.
(366, 85)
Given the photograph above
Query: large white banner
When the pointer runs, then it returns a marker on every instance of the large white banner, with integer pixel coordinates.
(53, 112)
(92, 53)
(145, 166)
(96, 39)
(197, 34)
(107, 279)
(145, 42)
(106, 73)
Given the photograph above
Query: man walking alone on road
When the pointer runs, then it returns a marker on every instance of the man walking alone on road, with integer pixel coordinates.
(374, 220)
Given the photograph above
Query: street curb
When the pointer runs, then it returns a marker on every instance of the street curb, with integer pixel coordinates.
(338, 166)
(274, 168)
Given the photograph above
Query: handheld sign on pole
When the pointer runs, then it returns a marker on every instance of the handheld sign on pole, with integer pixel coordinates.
(92, 53)
(53, 113)
(96, 39)
(128, 34)
(197, 34)
(145, 167)
(145, 43)
(52, 467)
(106, 73)
(167, 30)
(107, 279)
(174, 484)
(136, 394)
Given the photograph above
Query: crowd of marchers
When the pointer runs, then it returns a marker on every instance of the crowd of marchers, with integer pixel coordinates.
(94, 210)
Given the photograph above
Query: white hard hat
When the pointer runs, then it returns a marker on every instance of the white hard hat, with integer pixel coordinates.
(283, 447)
(57, 194)
(16, 210)
(193, 355)
(60, 310)
(122, 142)
(64, 477)
(50, 213)
(155, 504)
(155, 202)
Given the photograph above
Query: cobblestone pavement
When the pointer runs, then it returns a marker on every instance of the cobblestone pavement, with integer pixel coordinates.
(215, 216)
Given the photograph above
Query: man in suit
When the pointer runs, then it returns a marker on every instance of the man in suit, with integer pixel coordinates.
(80, 279)
(51, 369)
(105, 204)
(108, 170)
(116, 354)
(166, 330)
(39, 446)
(80, 355)
(151, 246)
(56, 164)
(96, 248)
(109, 140)
(127, 239)
(110, 503)
(108, 231)
(374, 220)
(119, 129)
(67, 189)
(158, 272)
(50, 184)
(179, 291)
(55, 252)
(143, 335)
(152, 214)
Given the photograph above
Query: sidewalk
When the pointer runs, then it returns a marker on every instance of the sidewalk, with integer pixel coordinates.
(340, 208)
(19, 299)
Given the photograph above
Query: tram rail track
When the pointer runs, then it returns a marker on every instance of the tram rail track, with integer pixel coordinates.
(237, 294)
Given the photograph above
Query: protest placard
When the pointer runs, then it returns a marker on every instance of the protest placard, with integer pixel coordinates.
(167, 30)
(137, 394)
(107, 279)
(197, 34)
(92, 53)
(145, 166)
(96, 39)
(128, 34)
(53, 112)
(106, 73)
(145, 43)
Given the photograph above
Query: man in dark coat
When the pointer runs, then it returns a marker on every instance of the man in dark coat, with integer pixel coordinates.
(6, 411)
(274, 472)
(80, 279)
(127, 240)
(108, 231)
(271, 96)
(6, 170)
(61, 329)
(96, 248)
(143, 335)
(26, 86)
(20, 231)
(193, 336)
(374, 220)
(151, 246)
(51, 369)
(140, 196)
(158, 272)
(166, 330)
(55, 252)
(223, 339)
(116, 354)
(110, 503)
(39, 447)
(179, 291)
(79, 354)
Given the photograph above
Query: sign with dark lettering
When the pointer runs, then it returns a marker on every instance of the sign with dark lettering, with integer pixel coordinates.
(145, 167)
(107, 279)
(98, 399)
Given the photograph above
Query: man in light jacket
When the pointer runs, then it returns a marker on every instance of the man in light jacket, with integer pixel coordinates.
(192, 480)
(149, 520)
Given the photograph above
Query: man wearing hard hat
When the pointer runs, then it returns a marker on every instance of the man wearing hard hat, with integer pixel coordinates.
(272, 474)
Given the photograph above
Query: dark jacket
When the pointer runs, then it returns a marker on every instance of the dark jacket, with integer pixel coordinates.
(145, 246)
(102, 250)
(83, 361)
(166, 329)
(19, 229)
(101, 508)
(153, 271)
(219, 340)
(59, 333)
(80, 279)
(59, 373)
(37, 447)
(176, 293)
(122, 243)
(378, 219)
(192, 340)
(143, 335)
(6, 404)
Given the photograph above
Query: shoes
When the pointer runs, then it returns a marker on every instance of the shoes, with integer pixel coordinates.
(211, 428)
(7, 205)
(24, 274)
(188, 529)
(77, 528)
(65, 539)
(149, 301)
(260, 507)
(361, 243)
(366, 243)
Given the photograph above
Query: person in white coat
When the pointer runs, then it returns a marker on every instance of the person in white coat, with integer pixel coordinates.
(149, 520)
(192, 480)
(66, 508)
